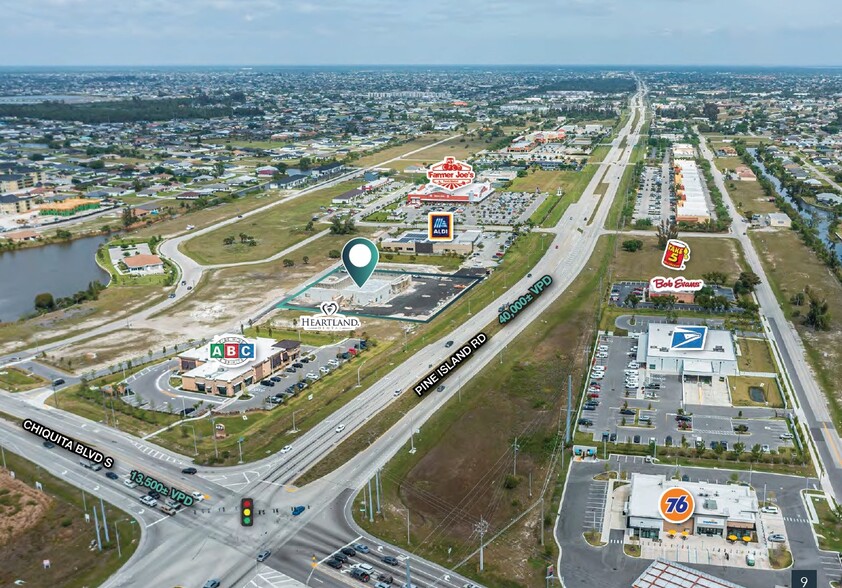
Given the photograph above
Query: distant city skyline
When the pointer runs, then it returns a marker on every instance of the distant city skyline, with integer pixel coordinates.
(422, 32)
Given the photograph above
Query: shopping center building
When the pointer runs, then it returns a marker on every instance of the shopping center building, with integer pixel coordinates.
(200, 373)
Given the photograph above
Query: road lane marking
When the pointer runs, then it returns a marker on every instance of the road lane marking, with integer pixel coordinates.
(832, 442)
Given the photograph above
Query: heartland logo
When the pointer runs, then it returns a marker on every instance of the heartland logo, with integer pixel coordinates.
(689, 338)
(679, 284)
(451, 174)
(440, 226)
(329, 319)
(232, 351)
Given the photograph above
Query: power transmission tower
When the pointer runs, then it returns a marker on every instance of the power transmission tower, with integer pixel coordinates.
(482, 528)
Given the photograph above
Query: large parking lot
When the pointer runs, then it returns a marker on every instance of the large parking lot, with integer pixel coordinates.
(648, 411)
(501, 208)
(315, 363)
(653, 196)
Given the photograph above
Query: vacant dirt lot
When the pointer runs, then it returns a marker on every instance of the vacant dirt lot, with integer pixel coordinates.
(21, 507)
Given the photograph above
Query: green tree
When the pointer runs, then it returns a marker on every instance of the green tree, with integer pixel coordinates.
(739, 449)
(334, 254)
(666, 231)
(632, 245)
(229, 240)
(756, 451)
(44, 301)
(306, 260)
(633, 300)
(288, 263)
(818, 315)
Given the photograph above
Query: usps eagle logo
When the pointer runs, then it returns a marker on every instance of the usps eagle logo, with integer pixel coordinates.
(451, 173)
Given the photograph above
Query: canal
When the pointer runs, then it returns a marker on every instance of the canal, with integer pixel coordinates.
(819, 217)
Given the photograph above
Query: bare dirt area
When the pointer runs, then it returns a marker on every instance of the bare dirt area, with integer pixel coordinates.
(21, 507)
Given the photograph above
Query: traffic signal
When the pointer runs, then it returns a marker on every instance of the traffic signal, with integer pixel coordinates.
(246, 512)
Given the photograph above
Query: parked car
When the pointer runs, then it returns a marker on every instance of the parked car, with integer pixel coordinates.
(776, 538)
(586, 422)
(276, 378)
(769, 509)
(268, 383)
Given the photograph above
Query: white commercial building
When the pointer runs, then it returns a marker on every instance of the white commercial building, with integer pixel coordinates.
(691, 205)
(687, 350)
(339, 287)
(720, 509)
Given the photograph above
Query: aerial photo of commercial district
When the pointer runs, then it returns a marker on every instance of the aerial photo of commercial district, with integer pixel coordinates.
(425, 294)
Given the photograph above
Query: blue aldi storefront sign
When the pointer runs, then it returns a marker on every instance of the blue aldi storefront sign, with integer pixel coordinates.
(689, 338)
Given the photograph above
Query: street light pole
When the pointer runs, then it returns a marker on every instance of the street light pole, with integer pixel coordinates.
(213, 435)
(240, 447)
(195, 446)
(358, 373)
(294, 430)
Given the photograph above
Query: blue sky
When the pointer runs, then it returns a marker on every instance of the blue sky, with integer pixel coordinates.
(304, 32)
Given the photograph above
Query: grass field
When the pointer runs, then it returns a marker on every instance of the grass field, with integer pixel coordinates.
(445, 262)
(790, 265)
(748, 196)
(740, 385)
(278, 228)
(755, 356)
(205, 217)
(58, 532)
(707, 255)
(113, 303)
(16, 380)
(397, 151)
(518, 397)
(829, 529)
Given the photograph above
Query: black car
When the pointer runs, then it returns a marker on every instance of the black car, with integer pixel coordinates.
(58, 382)
(392, 561)
(668, 440)
(304, 360)
(276, 378)
(589, 407)
(449, 344)
(627, 411)
(636, 439)
(440, 388)
(49, 445)
(301, 385)
(190, 470)
(154, 494)
(340, 557)
(349, 551)
(385, 578)
(683, 418)
(586, 422)
(334, 563)
(298, 365)
(613, 437)
(269, 383)
(290, 370)
(111, 476)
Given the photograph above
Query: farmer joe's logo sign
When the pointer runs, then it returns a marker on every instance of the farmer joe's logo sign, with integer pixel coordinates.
(451, 174)
(329, 319)
(676, 255)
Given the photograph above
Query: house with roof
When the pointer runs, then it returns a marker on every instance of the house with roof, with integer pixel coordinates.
(144, 264)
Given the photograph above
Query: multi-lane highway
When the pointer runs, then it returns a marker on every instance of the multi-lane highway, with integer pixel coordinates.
(194, 546)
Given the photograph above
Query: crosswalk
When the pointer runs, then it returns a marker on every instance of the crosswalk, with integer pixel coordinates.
(269, 578)
(616, 541)
(830, 564)
(156, 454)
(795, 520)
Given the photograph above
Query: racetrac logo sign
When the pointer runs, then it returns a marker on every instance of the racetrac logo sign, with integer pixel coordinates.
(232, 351)
(689, 338)
(329, 319)
(451, 174)
(680, 284)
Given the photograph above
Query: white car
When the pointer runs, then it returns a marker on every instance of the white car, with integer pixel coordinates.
(397, 393)
(769, 509)
(340, 428)
(597, 375)
(324, 369)
(128, 483)
(312, 376)
(149, 501)
(286, 449)
(197, 496)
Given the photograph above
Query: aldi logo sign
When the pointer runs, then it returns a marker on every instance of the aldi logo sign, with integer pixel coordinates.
(690, 338)
(440, 226)
(232, 351)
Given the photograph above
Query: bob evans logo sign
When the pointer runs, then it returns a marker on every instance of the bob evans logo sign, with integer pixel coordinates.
(329, 320)
(679, 284)
(451, 174)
